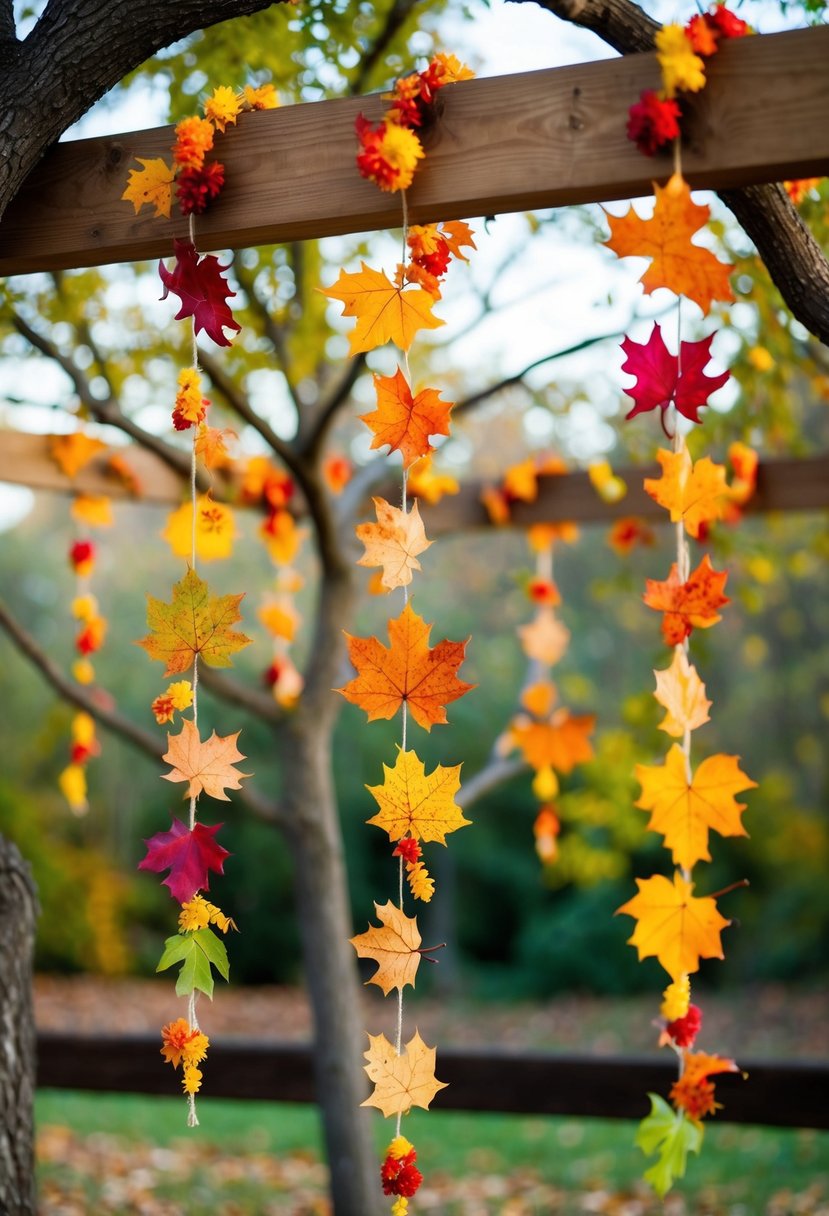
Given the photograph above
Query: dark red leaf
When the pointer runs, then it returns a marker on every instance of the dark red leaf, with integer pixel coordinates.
(203, 292)
(187, 855)
(663, 380)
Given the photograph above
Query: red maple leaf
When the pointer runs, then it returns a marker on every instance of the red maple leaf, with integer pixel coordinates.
(188, 855)
(203, 292)
(662, 379)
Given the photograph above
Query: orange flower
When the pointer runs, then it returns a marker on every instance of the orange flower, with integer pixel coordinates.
(389, 154)
(179, 1041)
(190, 406)
(194, 137)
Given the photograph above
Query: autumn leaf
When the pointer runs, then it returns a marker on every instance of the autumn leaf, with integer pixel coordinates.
(215, 530)
(401, 1081)
(394, 542)
(412, 802)
(545, 638)
(676, 263)
(394, 947)
(211, 446)
(188, 855)
(687, 606)
(94, 510)
(662, 379)
(384, 312)
(683, 810)
(208, 766)
(405, 422)
(197, 952)
(71, 452)
(409, 671)
(561, 743)
(682, 693)
(695, 493)
(195, 622)
(151, 186)
(674, 925)
(203, 292)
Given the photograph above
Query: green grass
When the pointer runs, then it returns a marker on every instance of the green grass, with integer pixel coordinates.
(740, 1169)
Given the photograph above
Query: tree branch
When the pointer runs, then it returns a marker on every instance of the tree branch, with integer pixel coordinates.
(330, 408)
(234, 692)
(797, 264)
(397, 17)
(113, 721)
(8, 32)
(272, 330)
(495, 772)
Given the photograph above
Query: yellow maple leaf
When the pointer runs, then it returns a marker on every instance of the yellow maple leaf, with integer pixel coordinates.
(682, 693)
(521, 480)
(401, 1081)
(208, 766)
(665, 238)
(673, 924)
(404, 421)
(280, 618)
(151, 186)
(194, 622)
(694, 492)
(92, 509)
(71, 452)
(410, 801)
(384, 312)
(215, 530)
(394, 947)
(393, 542)
(683, 808)
(425, 483)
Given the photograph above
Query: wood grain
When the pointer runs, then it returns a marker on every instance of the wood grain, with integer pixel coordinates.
(510, 143)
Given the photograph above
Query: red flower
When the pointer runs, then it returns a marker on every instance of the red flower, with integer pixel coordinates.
(82, 551)
(408, 849)
(195, 188)
(683, 1031)
(400, 1175)
(653, 122)
(727, 24)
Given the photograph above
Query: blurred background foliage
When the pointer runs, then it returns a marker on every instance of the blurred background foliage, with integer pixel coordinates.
(517, 929)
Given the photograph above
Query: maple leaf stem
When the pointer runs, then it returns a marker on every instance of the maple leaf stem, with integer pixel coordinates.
(425, 951)
(743, 882)
(669, 435)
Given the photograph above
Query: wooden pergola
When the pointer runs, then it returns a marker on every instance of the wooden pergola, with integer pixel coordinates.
(524, 142)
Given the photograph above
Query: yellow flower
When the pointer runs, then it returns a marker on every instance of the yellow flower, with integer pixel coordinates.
(675, 999)
(215, 531)
(263, 98)
(195, 1048)
(681, 68)
(83, 671)
(84, 607)
(181, 694)
(223, 107)
(192, 1079)
(194, 915)
(83, 729)
(72, 782)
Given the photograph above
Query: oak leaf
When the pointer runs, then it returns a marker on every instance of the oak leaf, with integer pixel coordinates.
(674, 925)
(188, 855)
(663, 379)
(194, 622)
(682, 693)
(687, 606)
(408, 671)
(401, 1081)
(682, 811)
(677, 264)
(384, 312)
(694, 492)
(151, 185)
(394, 542)
(403, 421)
(410, 801)
(393, 946)
(208, 766)
(203, 292)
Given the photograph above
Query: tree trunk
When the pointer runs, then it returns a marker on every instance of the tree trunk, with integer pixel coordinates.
(18, 910)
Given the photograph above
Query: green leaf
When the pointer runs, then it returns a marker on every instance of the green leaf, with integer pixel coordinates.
(196, 951)
(667, 1132)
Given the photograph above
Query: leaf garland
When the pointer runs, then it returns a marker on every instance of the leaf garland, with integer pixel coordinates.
(195, 625)
(672, 923)
(408, 675)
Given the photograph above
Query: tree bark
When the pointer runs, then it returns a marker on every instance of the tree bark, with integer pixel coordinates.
(322, 904)
(18, 911)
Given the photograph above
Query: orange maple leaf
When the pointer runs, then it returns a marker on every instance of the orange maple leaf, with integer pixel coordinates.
(561, 743)
(694, 1092)
(384, 312)
(409, 671)
(401, 1081)
(405, 422)
(394, 947)
(695, 493)
(195, 622)
(208, 767)
(683, 810)
(416, 804)
(677, 264)
(394, 542)
(673, 924)
(71, 452)
(152, 185)
(687, 606)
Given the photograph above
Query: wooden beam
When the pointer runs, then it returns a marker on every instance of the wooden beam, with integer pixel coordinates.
(510, 143)
(781, 1093)
(782, 485)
